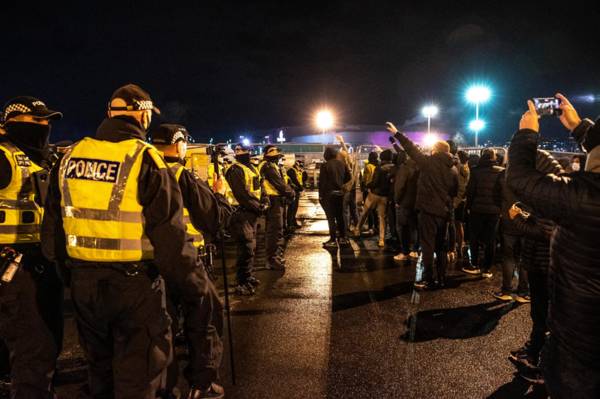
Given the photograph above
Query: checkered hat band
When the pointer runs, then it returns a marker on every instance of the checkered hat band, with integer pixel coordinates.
(20, 108)
(143, 105)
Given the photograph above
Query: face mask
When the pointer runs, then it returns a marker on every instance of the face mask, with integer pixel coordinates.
(575, 167)
(31, 138)
(243, 158)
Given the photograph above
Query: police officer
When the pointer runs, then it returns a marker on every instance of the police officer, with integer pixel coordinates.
(31, 320)
(277, 191)
(245, 184)
(296, 178)
(203, 214)
(114, 213)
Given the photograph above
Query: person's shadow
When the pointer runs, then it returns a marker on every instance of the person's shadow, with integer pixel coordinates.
(518, 388)
(456, 323)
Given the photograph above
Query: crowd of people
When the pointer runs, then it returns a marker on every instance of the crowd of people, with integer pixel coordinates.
(446, 206)
(95, 218)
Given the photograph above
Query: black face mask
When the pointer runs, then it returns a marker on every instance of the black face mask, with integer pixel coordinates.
(243, 158)
(31, 138)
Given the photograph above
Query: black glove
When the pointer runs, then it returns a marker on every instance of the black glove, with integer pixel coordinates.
(392, 139)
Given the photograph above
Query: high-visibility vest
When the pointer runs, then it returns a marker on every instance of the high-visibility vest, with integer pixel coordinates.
(251, 181)
(211, 180)
(102, 216)
(299, 176)
(20, 215)
(177, 169)
(270, 190)
(368, 173)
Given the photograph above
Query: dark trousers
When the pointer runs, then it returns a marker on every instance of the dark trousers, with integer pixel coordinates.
(274, 238)
(433, 233)
(538, 285)
(391, 221)
(293, 210)
(124, 330)
(483, 233)
(31, 326)
(350, 209)
(203, 329)
(406, 226)
(333, 207)
(511, 251)
(566, 377)
(243, 230)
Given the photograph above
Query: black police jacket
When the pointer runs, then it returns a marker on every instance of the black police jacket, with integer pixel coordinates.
(161, 199)
(572, 201)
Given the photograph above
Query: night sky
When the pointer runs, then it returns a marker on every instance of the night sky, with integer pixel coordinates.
(225, 68)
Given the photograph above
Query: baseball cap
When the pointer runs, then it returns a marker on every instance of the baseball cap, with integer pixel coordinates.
(273, 152)
(135, 98)
(26, 105)
(241, 148)
(168, 133)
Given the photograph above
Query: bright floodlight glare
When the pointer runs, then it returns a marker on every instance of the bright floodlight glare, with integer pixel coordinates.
(324, 119)
(478, 94)
(430, 139)
(246, 142)
(477, 125)
(430, 111)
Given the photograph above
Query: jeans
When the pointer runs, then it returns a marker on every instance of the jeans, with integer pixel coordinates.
(333, 205)
(511, 261)
(350, 210)
(375, 202)
(483, 232)
(433, 233)
(406, 226)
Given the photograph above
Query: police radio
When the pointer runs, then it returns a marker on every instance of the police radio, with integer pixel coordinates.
(10, 263)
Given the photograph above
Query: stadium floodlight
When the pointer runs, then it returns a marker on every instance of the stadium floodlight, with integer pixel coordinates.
(430, 139)
(430, 111)
(324, 120)
(246, 142)
(477, 125)
(477, 94)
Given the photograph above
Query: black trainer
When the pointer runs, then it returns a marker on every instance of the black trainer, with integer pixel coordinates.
(214, 391)
(245, 289)
(330, 244)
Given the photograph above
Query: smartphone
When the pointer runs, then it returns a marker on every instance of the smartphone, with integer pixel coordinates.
(547, 106)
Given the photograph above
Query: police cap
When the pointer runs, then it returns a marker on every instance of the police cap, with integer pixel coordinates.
(26, 105)
(135, 98)
(168, 133)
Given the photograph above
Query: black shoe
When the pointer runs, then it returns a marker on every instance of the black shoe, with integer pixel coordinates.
(425, 285)
(245, 289)
(343, 241)
(330, 244)
(253, 281)
(214, 391)
(532, 375)
(471, 269)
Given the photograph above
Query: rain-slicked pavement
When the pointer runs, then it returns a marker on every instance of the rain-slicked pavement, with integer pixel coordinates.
(348, 324)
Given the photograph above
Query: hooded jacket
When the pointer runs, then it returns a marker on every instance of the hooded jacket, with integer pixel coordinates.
(485, 188)
(571, 201)
(438, 179)
(405, 184)
(332, 175)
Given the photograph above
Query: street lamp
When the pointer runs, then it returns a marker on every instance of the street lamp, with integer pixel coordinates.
(477, 95)
(324, 120)
(429, 111)
(477, 125)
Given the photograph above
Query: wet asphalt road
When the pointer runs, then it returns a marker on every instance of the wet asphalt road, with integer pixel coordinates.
(348, 324)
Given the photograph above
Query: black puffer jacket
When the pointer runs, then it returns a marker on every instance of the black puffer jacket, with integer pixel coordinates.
(484, 191)
(572, 201)
(535, 255)
(438, 179)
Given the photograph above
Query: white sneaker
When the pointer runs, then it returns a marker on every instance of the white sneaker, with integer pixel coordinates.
(487, 274)
(400, 257)
(413, 255)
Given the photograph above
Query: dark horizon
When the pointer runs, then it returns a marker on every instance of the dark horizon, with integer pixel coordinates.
(231, 69)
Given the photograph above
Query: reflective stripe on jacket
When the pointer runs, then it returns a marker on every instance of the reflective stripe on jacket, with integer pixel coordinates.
(101, 214)
(20, 215)
(177, 170)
